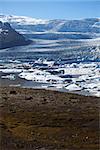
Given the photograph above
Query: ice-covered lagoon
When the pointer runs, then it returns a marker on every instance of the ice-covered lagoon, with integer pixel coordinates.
(81, 77)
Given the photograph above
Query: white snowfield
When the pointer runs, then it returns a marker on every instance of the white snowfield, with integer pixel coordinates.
(32, 21)
(56, 25)
(22, 20)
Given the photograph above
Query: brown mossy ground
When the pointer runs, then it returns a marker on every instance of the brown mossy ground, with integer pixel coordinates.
(47, 120)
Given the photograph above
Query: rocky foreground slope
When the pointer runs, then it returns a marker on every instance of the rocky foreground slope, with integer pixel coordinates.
(9, 37)
(48, 120)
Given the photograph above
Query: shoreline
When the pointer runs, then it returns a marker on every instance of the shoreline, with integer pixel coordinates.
(80, 93)
(49, 120)
(22, 83)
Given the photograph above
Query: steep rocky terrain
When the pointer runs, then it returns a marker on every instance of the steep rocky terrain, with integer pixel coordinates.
(9, 37)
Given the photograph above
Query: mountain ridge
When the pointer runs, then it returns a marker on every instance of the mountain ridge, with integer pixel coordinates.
(54, 25)
(10, 38)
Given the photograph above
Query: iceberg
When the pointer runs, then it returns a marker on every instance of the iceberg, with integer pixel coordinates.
(40, 76)
(73, 87)
(13, 70)
(11, 77)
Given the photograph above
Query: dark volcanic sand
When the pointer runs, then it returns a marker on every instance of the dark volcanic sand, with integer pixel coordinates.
(47, 120)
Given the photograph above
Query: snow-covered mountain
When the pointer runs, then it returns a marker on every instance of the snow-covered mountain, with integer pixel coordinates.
(21, 20)
(64, 34)
(54, 29)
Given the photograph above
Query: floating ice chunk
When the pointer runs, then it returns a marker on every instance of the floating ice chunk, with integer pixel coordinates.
(13, 70)
(97, 94)
(92, 85)
(44, 86)
(11, 77)
(39, 61)
(94, 92)
(40, 76)
(15, 85)
(88, 65)
(59, 86)
(73, 87)
(79, 79)
(54, 78)
(76, 71)
(14, 61)
(44, 62)
(83, 77)
(49, 63)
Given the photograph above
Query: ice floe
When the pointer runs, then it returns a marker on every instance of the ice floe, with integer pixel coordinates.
(13, 70)
(83, 76)
(73, 87)
(11, 77)
(40, 76)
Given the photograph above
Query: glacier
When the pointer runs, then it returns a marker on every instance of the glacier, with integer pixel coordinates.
(64, 55)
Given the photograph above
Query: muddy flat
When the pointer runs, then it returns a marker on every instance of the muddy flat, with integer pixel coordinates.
(47, 120)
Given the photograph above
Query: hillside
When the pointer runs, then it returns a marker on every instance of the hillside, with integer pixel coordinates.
(48, 120)
(9, 37)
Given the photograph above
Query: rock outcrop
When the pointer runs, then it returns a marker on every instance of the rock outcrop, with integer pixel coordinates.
(10, 38)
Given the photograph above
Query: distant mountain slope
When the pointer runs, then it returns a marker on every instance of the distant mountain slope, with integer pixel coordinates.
(57, 25)
(74, 38)
(9, 37)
